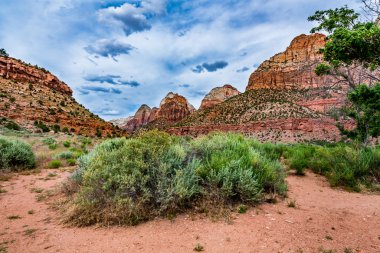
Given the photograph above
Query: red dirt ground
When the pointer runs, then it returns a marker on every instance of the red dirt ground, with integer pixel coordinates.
(324, 219)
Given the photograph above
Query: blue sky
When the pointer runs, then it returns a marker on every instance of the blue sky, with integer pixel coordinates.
(117, 55)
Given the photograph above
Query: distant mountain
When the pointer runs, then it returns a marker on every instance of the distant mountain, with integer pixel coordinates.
(173, 108)
(284, 100)
(218, 95)
(38, 101)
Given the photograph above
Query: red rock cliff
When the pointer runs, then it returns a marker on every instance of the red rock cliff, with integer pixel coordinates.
(293, 68)
(218, 95)
(16, 70)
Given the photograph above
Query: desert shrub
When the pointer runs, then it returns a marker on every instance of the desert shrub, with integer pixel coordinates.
(12, 125)
(299, 156)
(53, 146)
(42, 126)
(71, 162)
(16, 155)
(65, 155)
(55, 164)
(49, 141)
(66, 144)
(127, 181)
(347, 166)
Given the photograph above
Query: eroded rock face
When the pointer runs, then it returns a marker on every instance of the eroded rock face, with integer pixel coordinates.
(218, 95)
(143, 116)
(18, 71)
(174, 107)
(294, 68)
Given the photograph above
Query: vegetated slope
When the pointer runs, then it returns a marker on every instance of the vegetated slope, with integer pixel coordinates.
(37, 100)
(284, 100)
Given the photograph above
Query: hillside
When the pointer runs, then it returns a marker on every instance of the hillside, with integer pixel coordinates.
(38, 101)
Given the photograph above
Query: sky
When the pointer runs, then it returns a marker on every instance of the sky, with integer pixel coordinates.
(118, 54)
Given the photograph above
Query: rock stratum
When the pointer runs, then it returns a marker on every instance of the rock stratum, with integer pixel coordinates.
(30, 95)
(218, 95)
(284, 101)
(173, 108)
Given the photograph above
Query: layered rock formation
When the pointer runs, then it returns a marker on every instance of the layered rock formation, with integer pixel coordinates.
(284, 100)
(173, 108)
(293, 68)
(143, 116)
(16, 70)
(218, 95)
(121, 122)
(34, 98)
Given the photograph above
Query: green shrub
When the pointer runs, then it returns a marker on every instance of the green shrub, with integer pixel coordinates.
(299, 157)
(154, 174)
(16, 155)
(42, 126)
(71, 162)
(65, 155)
(53, 146)
(49, 141)
(55, 164)
(67, 144)
(12, 125)
(344, 165)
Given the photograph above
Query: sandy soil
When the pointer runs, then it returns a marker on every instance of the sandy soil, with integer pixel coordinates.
(324, 219)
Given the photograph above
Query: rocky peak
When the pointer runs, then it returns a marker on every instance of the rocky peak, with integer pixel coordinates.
(293, 68)
(174, 107)
(19, 71)
(218, 95)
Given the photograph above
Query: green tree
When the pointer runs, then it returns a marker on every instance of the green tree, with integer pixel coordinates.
(352, 55)
(365, 111)
(3, 52)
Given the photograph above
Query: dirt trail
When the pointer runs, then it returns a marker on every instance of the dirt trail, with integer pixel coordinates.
(324, 219)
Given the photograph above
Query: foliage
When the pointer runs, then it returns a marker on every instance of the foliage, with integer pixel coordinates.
(42, 126)
(127, 181)
(330, 20)
(55, 164)
(15, 155)
(353, 43)
(347, 166)
(366, 112)
(65, 155)
(67, 144)
(3, 52)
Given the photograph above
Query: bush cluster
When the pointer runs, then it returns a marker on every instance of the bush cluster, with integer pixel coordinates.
(15, 155)
(348, 166)
(127, 181)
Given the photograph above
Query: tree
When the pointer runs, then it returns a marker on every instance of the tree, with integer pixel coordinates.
(3, 52)
(365, 111)
(352, 54)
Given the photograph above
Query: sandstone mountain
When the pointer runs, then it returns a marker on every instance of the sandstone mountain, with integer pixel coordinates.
(121, 122)
(218, 95)
(284, 100)
(37, 100)
(173, 108)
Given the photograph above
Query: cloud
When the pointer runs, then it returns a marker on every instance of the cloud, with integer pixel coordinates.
(130, 17)
(101, 89)
(108, 112)
(244, 69)
(129, 83)
(102, 79)
(210, 67)
(109, 48)
(111, 79)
